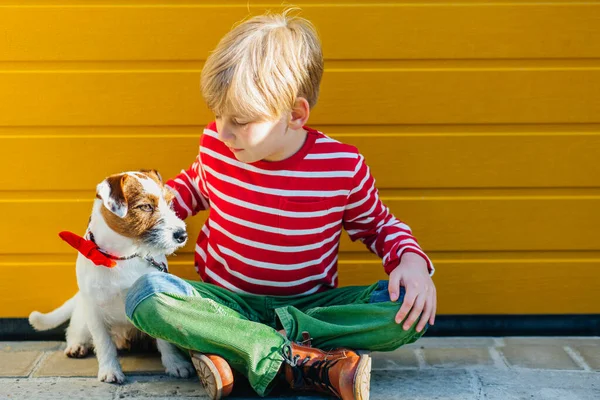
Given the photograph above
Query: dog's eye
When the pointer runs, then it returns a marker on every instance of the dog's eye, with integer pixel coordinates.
(146, 207)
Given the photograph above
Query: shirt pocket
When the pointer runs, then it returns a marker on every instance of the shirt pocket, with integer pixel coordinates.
(303, 222)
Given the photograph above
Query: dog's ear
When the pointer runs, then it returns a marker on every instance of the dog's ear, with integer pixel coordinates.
(111, 192)
(152, 173)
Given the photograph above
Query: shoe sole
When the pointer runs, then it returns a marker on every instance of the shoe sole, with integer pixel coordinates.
(209, 376)
(362, 378)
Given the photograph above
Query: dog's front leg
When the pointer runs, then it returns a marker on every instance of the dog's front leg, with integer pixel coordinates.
(79, 339)
(109, 368)
(175, 363)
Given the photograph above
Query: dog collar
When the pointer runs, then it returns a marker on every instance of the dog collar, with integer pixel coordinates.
(90, 250)
(162, 267)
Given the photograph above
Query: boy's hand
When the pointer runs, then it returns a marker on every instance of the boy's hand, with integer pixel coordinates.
(412, 273)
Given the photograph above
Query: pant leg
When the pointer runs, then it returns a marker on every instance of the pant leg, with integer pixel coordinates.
(206, 318)
(359, 317)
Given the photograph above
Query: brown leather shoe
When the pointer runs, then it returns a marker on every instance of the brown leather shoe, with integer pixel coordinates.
(214, 373)
(340, 372)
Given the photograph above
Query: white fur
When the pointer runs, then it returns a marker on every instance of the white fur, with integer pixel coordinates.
(120, 209)
(97, 311)
(149, 185)
(42, 322)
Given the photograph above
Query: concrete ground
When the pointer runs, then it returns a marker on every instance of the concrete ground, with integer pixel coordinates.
(461, 368)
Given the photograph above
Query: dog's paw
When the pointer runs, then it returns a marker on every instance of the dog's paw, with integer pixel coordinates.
(77, 350)
(179, 368)
(110, 375)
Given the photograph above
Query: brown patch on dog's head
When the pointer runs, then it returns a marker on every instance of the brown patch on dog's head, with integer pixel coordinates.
(153, 174)
(168, 193)
(131, 202)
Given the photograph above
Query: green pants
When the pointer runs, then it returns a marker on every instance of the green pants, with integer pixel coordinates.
(242, 328)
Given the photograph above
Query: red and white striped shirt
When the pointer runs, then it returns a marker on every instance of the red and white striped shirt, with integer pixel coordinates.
(274, 227)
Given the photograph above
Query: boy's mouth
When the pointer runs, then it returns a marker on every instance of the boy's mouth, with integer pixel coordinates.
(235, 150)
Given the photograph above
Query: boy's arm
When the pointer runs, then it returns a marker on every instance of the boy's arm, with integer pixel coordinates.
(366, 218)
(189, 187)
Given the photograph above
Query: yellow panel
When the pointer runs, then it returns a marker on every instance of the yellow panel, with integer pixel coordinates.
(348, 31)
(78, 158)
(486, 114)
(41, 288)
(527, 283)
(349, 96)
(438, 96)
(459, 220)
(493, 285)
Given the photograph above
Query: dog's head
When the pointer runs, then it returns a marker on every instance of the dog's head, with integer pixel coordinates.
(137, 205)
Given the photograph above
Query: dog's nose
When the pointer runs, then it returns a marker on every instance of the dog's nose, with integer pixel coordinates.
(180, 236)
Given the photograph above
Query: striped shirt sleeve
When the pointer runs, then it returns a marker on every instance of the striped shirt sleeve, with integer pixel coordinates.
(367, 219)
(191, 195)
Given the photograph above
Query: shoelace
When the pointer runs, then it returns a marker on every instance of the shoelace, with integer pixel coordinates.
(317, 373)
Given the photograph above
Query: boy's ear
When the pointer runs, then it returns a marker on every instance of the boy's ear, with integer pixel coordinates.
(110, 191)
(300, 113)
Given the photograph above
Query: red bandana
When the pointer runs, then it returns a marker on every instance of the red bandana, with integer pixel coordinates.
(88, 248)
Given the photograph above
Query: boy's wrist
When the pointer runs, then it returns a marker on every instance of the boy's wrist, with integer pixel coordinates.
(409, 258)
(417, 257)
(413, 259)
(412, 256)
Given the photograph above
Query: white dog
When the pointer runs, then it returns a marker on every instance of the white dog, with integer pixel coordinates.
(133, 225)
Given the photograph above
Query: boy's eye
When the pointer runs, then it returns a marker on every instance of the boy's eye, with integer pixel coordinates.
(234, 121)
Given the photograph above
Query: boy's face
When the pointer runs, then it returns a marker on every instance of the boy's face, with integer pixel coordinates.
(254, 141)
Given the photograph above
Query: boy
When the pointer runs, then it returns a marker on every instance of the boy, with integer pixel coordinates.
(279, 194)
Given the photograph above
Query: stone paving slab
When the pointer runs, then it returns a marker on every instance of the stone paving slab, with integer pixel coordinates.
(455, 358)
(46, 389)
(142, 363)
(432, 368)
(422, 385)
(401, 358)
(552, 341)
(591, 355)
(57, 364)
(452, 342)
(538, 384)
(522, 393)
(539, 378)
(18, 364)
(542, 357)
(30, 346)
(161, 386)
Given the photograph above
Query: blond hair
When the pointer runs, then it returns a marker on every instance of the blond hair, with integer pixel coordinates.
(260, 68)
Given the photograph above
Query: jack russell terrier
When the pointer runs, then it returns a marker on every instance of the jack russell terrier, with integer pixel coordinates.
(131, 230)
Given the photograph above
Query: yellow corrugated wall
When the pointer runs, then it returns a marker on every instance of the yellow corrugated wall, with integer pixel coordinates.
(480, 121)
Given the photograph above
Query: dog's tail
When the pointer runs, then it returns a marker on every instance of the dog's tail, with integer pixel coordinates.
(43, 322)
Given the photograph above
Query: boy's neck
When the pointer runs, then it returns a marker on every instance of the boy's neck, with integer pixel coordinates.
(293, 144)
